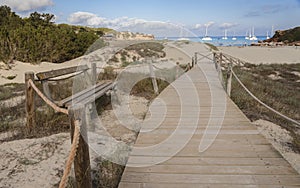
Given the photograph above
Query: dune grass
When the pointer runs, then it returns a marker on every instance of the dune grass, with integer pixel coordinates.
(277, 86)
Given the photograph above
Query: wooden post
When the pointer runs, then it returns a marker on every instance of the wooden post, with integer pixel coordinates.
(46, 89)
(196, 58)
(152, 75)
(30, 103)
(229, 80)
(177, 70)
(188, 66)
(82, 165)
(92, 110)
(94, 74)
(219, 69)
(193, 62)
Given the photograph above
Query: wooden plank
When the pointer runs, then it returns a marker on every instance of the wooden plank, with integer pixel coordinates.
(212, 179)
(90, 95)
(211, 170)
(60, 72)
(209, 161)
(84, 92)
(195, 185)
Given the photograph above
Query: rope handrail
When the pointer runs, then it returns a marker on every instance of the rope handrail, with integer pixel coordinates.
(71, 157)
(262, 103)
(49, 102)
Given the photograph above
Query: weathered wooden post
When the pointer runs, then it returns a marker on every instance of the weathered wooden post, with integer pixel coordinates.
(219, 69)
(92, 110)
(196, 58)
(46, 89)
(94, 74)
(188, 66)
(214, 57)
(193, 61)
(152, 75)
(30, 103)
(229, 79)
(82, 165)
(177, 70)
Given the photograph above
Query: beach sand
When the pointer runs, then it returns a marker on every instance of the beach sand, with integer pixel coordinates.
(265, 55)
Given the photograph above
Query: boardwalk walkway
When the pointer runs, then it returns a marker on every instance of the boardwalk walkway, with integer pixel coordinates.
(232, 153)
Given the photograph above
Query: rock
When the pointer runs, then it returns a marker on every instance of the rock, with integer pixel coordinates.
(290, 36)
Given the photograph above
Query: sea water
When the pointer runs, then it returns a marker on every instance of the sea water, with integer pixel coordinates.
(218, 41)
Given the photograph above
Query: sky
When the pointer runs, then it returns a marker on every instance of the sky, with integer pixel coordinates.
(167, 18)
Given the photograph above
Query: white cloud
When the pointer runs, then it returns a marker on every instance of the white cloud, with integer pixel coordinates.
(211, 23)
(228, 25)
(158, 28)
(27, 5)
(197, 26)
(90, 19)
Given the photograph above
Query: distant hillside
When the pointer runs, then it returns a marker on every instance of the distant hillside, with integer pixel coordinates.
(287, 36)
(37, 38)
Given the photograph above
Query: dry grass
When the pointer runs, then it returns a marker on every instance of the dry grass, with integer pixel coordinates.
(282, 94)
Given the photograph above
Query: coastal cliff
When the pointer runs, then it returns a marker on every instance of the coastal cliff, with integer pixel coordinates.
(290, 36)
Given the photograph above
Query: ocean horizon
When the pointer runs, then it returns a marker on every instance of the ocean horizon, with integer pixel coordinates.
(218, 41)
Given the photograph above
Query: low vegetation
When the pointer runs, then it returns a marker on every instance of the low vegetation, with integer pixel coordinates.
(212, 47)
(277, 86)
(37, 38)
(135, 52)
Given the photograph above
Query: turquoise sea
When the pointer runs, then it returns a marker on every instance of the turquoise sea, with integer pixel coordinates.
(218, 41)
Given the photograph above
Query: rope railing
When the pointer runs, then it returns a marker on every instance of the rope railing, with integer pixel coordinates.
(232, 60)
(71, 157)
(262, 103)
(47, 101)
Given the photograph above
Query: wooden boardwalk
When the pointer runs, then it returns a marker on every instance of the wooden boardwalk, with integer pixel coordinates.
(232, 152)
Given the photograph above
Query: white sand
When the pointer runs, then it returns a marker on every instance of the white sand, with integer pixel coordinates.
(280, 139)
(265, 55)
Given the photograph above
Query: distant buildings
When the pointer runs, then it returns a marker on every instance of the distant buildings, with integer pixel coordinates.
(127, 36)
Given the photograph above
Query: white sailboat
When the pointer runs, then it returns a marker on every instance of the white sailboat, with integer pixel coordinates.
(225, 35)
(268, 37)
(206, 37)
(181, 35)
(253, 35)
(246, 36)
(234, 38)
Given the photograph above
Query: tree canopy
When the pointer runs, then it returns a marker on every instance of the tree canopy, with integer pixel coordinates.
(37, 38)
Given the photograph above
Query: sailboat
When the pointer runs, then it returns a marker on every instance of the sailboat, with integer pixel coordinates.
(182, 38)
(225, 35)
(268, 37)
(246, 36)
(206, 37)
(234, 38)
(253, 35)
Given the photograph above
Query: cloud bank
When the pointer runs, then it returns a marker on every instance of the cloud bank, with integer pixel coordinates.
(228, 25)
(158, 28)
(27, 5)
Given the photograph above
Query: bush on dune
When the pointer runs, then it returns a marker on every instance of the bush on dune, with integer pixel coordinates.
(37, 38)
